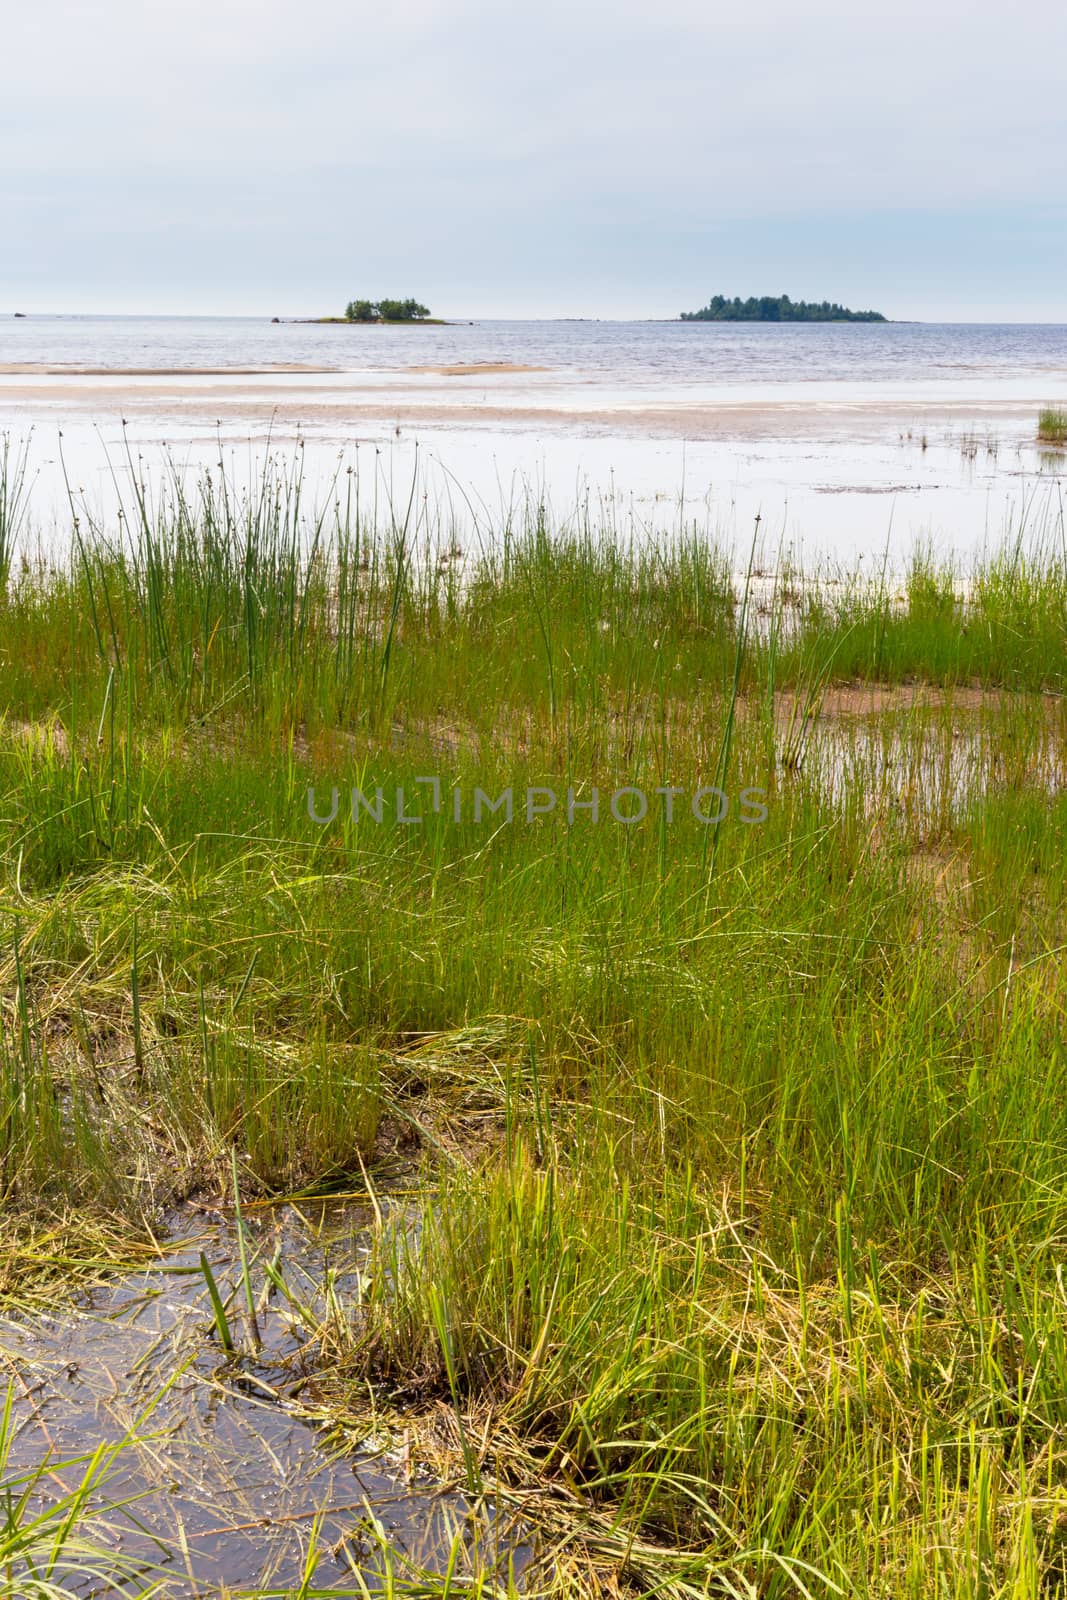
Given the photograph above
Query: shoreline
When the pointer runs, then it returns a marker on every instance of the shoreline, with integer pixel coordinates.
(833, 464)
(172, 395)
(58, 369)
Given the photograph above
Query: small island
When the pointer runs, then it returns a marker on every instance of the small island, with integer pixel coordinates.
(771, 308)
(395, 313)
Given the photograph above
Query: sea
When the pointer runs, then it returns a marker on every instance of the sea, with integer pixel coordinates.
(845, 439)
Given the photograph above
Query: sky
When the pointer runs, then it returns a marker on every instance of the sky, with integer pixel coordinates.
(556, 159)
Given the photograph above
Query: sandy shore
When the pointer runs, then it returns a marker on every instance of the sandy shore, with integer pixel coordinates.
(841, 466)
(35, 369)
(412, 400)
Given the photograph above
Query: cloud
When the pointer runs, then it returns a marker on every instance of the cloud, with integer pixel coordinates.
(554, 125)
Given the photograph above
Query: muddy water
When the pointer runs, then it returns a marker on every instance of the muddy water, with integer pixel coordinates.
(227, 1474)
(930, 770)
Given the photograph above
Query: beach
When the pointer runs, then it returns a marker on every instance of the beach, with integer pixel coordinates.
(843, 440)
(838, 437)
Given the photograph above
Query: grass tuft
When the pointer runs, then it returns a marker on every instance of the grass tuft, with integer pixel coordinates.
(1052, 425)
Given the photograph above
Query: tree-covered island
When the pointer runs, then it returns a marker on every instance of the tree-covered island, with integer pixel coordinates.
(771, 308)
(393, 312)
(386, 311)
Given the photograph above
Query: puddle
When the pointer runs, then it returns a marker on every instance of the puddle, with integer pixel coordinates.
(930, 770)
(231, 1470)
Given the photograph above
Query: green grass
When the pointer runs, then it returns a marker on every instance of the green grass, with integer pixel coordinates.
(14, 461)
(1052, 425)
(52, 1544)
(747, 1145)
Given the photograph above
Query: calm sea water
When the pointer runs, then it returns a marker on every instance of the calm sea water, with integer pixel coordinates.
(615, 352)
(839, 436)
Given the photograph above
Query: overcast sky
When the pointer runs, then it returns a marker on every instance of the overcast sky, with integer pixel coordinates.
(554, 159)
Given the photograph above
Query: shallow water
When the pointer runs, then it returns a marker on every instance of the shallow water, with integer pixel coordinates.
(928, 762)
(840, 436)
(230, 1469)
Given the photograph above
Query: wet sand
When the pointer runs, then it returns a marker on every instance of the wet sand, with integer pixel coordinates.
(411, 399)
(836, 466)
(33, 369)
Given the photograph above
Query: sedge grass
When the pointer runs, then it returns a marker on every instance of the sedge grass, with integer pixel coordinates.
(14, 502)
(1052, 425)
(748, 1164)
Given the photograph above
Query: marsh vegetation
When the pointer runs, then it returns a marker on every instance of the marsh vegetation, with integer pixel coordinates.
(738, 1153)
(1052, 425)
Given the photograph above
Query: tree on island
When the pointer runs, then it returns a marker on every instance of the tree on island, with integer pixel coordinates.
(768, 308)
(385, 311)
